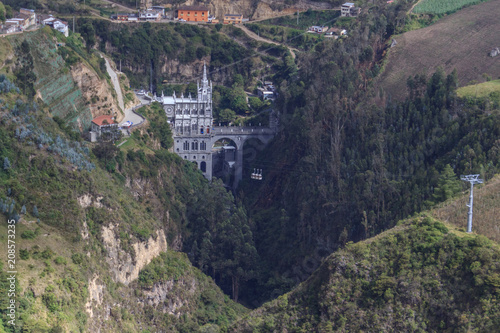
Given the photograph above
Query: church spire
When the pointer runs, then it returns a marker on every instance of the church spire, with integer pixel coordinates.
(204, 71)
(205, 80)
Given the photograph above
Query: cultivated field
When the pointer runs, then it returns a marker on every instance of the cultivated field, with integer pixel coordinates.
(461, 40)
(486, 210)
(442, 6)
(480, 90)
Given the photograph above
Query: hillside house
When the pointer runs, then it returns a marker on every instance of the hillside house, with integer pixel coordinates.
(349, 10)
(21, 20)
(9, 28)
(122, 16)
(336, 31)
(193, 13)
(495, 52)
(102, 124)
(318, 29)
(31, 15)
(233, 18)
(160, 9)
(265, 93)
(150, 15)
(62, 27)
(55, 23)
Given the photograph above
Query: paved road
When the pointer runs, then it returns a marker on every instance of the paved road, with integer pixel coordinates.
(129, 114)
(116, 83)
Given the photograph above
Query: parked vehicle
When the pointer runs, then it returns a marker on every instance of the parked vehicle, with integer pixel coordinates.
(127, 124)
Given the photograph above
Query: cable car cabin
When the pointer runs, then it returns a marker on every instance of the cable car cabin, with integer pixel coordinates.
(256, 174)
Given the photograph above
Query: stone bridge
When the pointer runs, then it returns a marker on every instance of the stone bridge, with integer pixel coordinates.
(239, 135)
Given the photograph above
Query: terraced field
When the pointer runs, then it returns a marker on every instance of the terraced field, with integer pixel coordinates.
(461, 40)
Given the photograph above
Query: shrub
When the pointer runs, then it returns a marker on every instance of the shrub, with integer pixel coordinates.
(28, 234)
(60, 261)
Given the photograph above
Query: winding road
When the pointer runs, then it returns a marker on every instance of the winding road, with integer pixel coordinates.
(253, 35)
(129, 113)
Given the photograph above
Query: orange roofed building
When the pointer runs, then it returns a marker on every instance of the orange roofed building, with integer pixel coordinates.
(101, 125)
(193, 13)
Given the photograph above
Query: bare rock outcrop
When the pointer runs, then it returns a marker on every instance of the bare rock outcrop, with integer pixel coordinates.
(123, 266)
(96, 91)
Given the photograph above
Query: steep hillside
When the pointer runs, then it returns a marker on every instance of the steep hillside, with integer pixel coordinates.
(459, 41)
(65, 77)
(419, 276)
(486, 210)
(96, 228)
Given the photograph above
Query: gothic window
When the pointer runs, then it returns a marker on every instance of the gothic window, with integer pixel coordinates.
(193, 127)
(203, 166)
(201, 130)
(203, 145)
(186, 145)
(178, 111)
(208, 130)
(194, 145)
(202, 111)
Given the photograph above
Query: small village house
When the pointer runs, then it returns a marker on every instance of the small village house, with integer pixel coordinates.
(122, 17)
(31, 15)
(193, 13)
(348, 9)
(318, 29)
(233, 18)
(9, 28)
(100, 125)
(265, 94)
(150, 15)
(55, 23)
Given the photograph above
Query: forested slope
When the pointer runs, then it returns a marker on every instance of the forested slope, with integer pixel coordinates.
(343, 169)
(419, 276)
(97, 225)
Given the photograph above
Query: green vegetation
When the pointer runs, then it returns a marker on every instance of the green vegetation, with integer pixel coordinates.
(489, 89)
(417, 277)
(205, 303)
(306, 19)
(148, 47)
(442, 6)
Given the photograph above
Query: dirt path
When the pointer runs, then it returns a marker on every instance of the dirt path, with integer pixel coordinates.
(253, 35)
(411, 9)
(120, 5)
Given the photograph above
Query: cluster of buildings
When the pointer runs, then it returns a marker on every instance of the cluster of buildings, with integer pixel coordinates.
(21, 21)
(154, 13)
(267, 91)
(202, 14)
(26, 18)
(199, 14)
(333, 32)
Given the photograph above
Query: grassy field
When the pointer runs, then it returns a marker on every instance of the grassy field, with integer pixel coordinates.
(459, 41)
(486, 210)
(442, 6)
(479, 90)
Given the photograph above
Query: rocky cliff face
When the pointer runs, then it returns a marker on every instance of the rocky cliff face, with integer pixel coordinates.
(255, 9)
(124, 268)
(76, 92)
(95, 90)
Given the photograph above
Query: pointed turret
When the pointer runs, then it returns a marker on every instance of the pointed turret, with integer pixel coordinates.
(204, 82)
